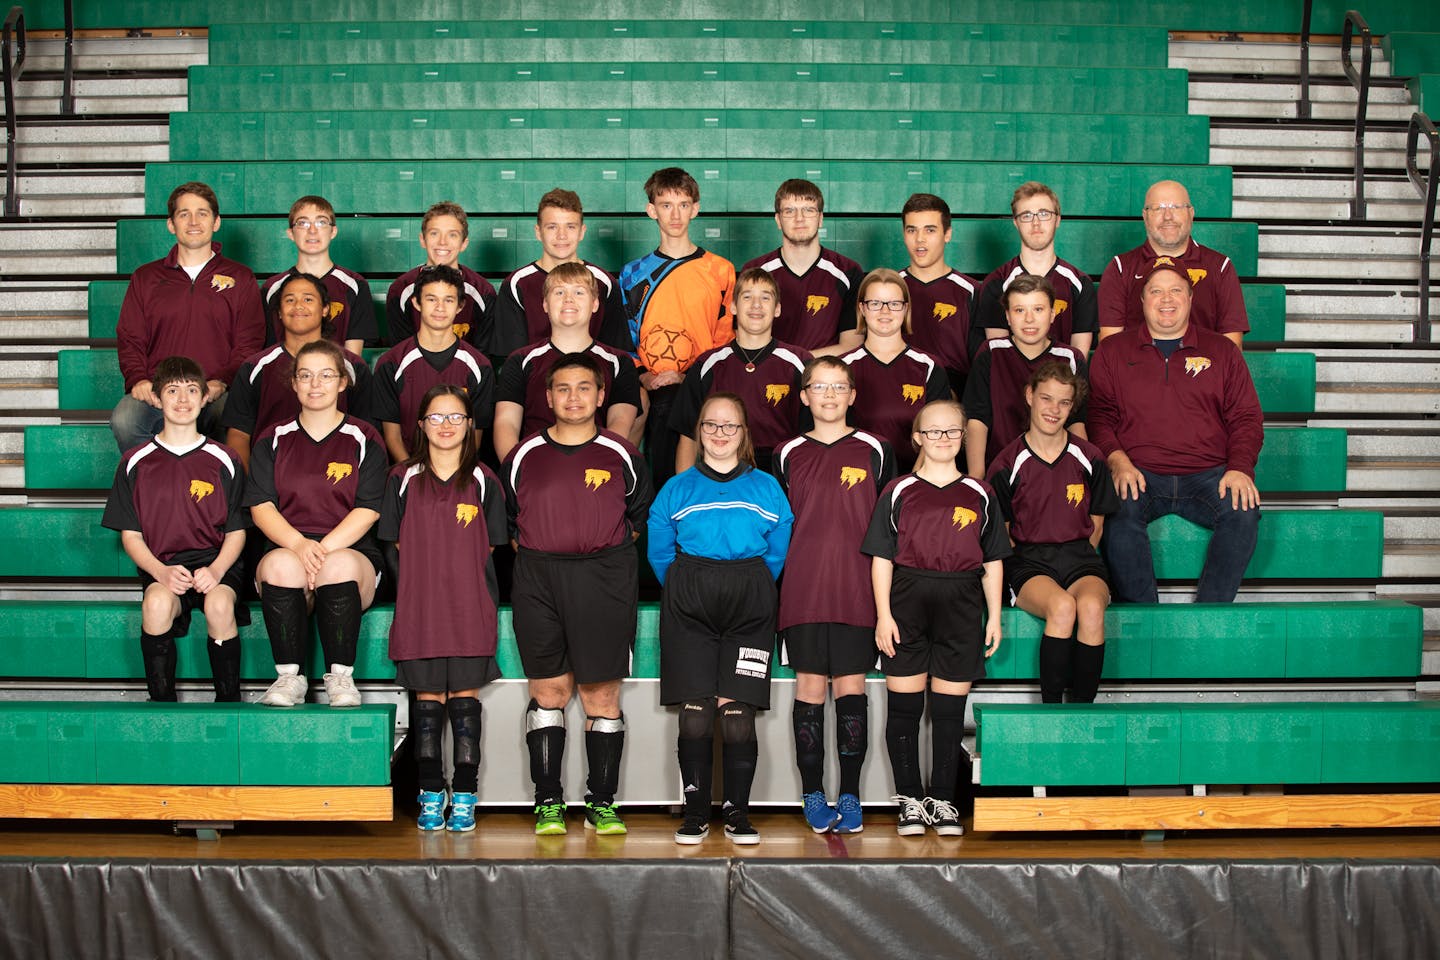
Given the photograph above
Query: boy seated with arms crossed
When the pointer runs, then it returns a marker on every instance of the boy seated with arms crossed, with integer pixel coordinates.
(521, 314)
(756, 367)
(352, 311)
(435, 354)
(571, 299)
(176, 501)
(444, 235)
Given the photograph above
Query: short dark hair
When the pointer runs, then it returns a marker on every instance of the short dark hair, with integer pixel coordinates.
(327, 323)
(670, 179)
(176, 370)
(201, 190)
(829, 363)
(583, 360)
(800, 190)
(1060, 372)
(439, 273)
(1029, 283)
(447, 208)
(561, 199)
(332, 352)
(926, 203)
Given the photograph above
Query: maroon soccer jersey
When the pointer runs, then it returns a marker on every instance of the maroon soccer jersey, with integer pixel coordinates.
(576, 499)
(888, 395)
(1217, 302)
(947, 529)
(473, 323)
(520, 316)
(182, 502)
(771, 391)
(1052, 502)
(817, 304)
(352, 310)
(444, 530)
(522, 381)
(940, 322)
(1076, 300)
(262, 393)
(407, 371)
(832, 488)
(316, 483)
(995, 392)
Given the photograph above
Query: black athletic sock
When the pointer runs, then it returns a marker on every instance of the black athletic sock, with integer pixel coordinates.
(852, 738)
(1088, 664)
(902, 740)
(427, 723)
(1055, 653)
(545, 738)
(696, 755)
(808, 719)
(158, 652)
(739, 754)
(225, 668)
(286, 622)
(604, 746)
(947, 727)
(337, 618)
(465, 731)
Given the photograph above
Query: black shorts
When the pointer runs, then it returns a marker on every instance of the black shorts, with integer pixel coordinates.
(192, 599)
(829, 649)
(443, 674)
(575, 613)
(1064, 563)
(717, 630)
(941, 622)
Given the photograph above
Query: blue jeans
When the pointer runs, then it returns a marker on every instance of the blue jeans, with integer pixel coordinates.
(134, 423)
(1196, 497)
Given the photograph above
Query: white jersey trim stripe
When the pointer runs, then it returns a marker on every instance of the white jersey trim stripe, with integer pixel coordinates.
(727, 505)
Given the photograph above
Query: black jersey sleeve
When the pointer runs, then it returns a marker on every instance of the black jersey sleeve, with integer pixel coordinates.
(482, 399)
(989, 312)
(999, 480)
(995, 538)
(261, 488)
(397, 315)
(120, 504)
(236, 517)
(1079, 411)
(242, 401)
(510, 326)
(615, 326)
(392, 509)
(937, 387)
(885, 465)
(370, 492)
(512, 499)
(881, 539)
(625, 386)
(1103, 498)
(362, 314)
(495, 503)
(977, 390)
(1085, 311)
(639, 495)
(849, 315)
(688, 401)
(510, 383)
(385, 393)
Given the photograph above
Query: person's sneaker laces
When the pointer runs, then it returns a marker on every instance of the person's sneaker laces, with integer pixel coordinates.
(462, 813)
(851, 818)
(432, 810)
(694, 829)
(288, 690)
(912, 820)
(340, 689)
(943, 817)
(549, 819)
(738, 828)
(603, 819)
(819, 815)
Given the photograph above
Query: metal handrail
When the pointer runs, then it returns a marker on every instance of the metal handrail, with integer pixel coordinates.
(14, 31)
(1361, 82)
(1302, 106)
(67, 92)
(1427, 184)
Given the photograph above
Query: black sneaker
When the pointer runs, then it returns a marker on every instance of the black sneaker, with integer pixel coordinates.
(944, 818)
(694, 829)
(738, 828)
(912, 819)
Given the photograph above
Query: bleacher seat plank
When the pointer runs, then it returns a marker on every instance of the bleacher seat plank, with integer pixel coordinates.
(1291, 812)
(208, 803)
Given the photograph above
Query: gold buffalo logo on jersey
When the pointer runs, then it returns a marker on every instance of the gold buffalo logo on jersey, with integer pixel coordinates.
(944, 311)
(336, 308)
(595, 478)
(466, 512)
(775, 392)
(912, 392)
(1073, 493)
(964, 516)
(221, 282)
(462, 330)
(1193, 365)
(849, 476)
(814, 304)
(1196, 275)
(1060, 306)
(335, 472)
(199, 489)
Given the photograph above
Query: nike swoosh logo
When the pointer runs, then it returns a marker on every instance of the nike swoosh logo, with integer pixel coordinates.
(1139, 276)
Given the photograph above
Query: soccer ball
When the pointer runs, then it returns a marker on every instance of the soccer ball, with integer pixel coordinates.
(663, 349)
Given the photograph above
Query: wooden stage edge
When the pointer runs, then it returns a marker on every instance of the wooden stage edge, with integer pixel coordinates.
(107, 802)
(1355, 811)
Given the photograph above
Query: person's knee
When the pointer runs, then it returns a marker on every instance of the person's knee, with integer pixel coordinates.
(697, 719)
(220, 610)
(1061, 608)
(552, 693)
(133, 422)
(158, 606)
(281, 568)
(737, 722)
(600, 699)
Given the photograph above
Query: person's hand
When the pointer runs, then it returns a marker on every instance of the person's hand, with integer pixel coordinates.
(1129, 481)
(887, 635)
(144, 391)
(312, 557)
(663, 378)
(177, 580)
(213, 389)
(992, 636)
(1244, 495)
(204, 580)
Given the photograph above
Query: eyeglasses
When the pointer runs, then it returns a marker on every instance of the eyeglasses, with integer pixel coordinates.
(1030, 216)
(875, 306)
(326, 377)
(712, 427)
(797, 213)
(1162, 207)
(829, 389)
(319, 223)
(949, 433)
(454, 419)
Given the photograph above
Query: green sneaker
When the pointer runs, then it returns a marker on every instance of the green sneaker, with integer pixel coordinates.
(604, 820)
(549, 819)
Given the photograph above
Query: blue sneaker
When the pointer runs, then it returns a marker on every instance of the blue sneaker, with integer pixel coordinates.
(432, 810)
(819, 815)
(462, 813)
(851, 820)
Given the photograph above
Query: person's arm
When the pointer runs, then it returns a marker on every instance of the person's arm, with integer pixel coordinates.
(394, 441)
(208, 577)
(990, 582)
(1098, 519)
(239, 441)
(887, 633)
(132, 337)
(684, 453)
(1077, 429)
(350, 529)
(247, 332)
(1082, 343)
(620, 418)
(397, 314)
(977, 435)
(355, 346)
(1236, 338)
(660, 546)
(175, 578)
(777, 538)
(509, 418)
(1129, 481)
(846, 342)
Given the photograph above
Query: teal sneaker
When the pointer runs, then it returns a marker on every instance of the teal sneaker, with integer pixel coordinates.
(604, 820)
(549, 819)
(462, 813)
(432, 810)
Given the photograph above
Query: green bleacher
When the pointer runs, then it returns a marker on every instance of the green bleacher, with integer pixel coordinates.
(1411, 54)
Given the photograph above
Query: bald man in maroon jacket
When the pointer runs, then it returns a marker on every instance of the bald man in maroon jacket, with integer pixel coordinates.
(1174, 410)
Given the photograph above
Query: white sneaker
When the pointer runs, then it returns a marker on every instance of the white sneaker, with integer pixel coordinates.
(288, 690)
(340, 689)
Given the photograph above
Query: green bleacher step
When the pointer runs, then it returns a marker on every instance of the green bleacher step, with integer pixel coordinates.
(1292, 545)
(75, 456)
(1411, 53)
(59, 542)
